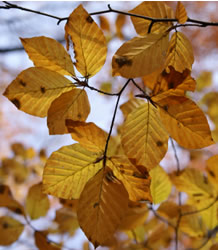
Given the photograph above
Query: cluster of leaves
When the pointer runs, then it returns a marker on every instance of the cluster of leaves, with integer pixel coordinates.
(115, 180)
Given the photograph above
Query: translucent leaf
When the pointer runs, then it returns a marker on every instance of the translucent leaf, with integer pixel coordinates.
(105, 201)
(160, 185)
(34, 89)
(10, 230)
(7, 200)
(212, 170)
(88, 135)
(120, 22)
(181, 14)
(68, 169)
(140, 56)
(185, 122)
(42, 243)
(88, 41)
(37, 203)
(136, 183)
(154, 10)
(48, 53)
(143, 136)
(204, 80)
(180, 53)
(70, 105)
(104, 23)
(130, 105)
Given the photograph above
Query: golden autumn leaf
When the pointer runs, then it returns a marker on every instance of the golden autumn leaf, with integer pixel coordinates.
(10, 230)
(48, 53)
(181, 13)
(180, 53)
(160, 185)
(136, 183)
(37, 203)
(204, 80)
(7, 200)
(88, 41)
(68, 169)
(130, 105)
(34, 89)
(89, 135)
(149, 56)
(104, 23)
(212, 170)
(120, 22)
(105, 201)
(154, 10)
(185, 122)
(69, 105)
(143, 136)
(42, 243)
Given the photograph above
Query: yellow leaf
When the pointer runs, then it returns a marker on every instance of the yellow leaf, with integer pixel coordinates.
(160, 185)
(149, 56)
(180, 53)
(120, 22)
(10, 230)
(88, 41)
(185, 122)
(135, 216)
(42, 243)
(130, 105)
(37, 203)
(68, 169)
(136, 183)
(88, 135)
(70, 105)
(154, 10)
(212, 170)
(104, 23)
(7, 200)
(181, 14)
(48, 53)
(204, 80)
(105, 201)
(34, 89)
(143, 136)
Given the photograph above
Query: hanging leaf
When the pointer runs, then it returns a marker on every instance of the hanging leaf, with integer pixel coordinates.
(181, 14)
(160, 185)
(34, 89)
(130, 105)
(104, 23)
(136, 183)
(185, 122)
(212, 170)
(70, 105)
(149, 56)
(120, 22)
(88, 135)
(48, 53)
(68, 169)
(154, 10)
(10, 230)
(88, 41)
(37, 203)
(105, 201)
(143, 136)
(42, 242)
(180, 53)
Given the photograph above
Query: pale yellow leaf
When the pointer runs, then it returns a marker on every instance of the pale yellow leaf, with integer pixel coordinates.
(68, 169)
(143, 136)
(160, 185)
(88, 135)
(70, 105)
(34, 89)
(140, 56)
(204, 80)
(180, 53)
(181, 13)
(10, 230)
(136, 183)
(102, 205)
(154, 10)
(185, 122)
(88, 41)
(48, 53)
(130, 105)
(37, 203)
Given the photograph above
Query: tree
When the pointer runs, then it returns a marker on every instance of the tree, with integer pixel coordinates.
(111, 182)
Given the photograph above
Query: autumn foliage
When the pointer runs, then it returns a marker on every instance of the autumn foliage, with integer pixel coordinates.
(112, 182)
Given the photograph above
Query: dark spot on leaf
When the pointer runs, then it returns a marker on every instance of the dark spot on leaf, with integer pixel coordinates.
(159, 143)
(96, 204)
(170, 85)
(89, 19)
(211, 173)
(139, 175)
(197, 194)
(165, 107)
(5, 225)
(22, 83)
(205, 180)
(123, 60)
(122, 171)
(110, 176)
(121, 166)
(198, 201)
(16, 102)
(42, 89)
(2, 189)
(18, 211)
(79, 116)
